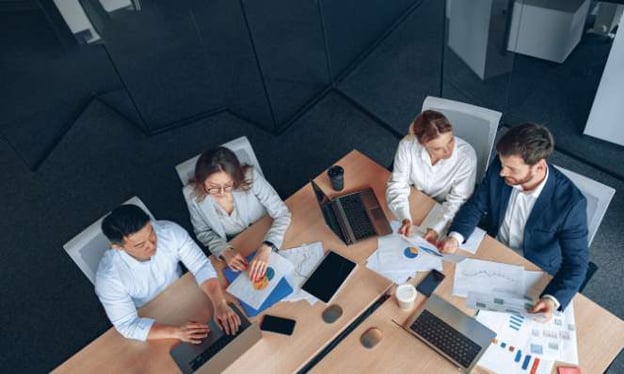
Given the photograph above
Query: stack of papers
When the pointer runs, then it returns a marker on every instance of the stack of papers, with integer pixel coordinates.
(398, 259)
(304, 259)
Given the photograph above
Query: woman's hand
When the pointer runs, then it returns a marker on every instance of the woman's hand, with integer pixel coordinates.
(406, 228)
(260, 262)
(234, 259)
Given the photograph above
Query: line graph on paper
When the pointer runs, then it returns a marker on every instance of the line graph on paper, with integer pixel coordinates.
(492, 275)
(487, 277)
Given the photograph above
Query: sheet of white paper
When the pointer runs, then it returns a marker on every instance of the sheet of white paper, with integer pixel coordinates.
(474, 241)
(419, 241)
(255, 293)
(554, 340)
(397, 259)
(533, 285)
(487, 276)
(498, 358)
(500, 302)
(305, 259)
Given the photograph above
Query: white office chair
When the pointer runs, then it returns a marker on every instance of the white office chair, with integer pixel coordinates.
(598, 197)
(88, 247)
(240, 146)
(474, 124)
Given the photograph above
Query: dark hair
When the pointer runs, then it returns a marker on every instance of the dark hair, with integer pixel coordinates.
(123, 221)
(530, 141)
(429, 125)
(216, 160)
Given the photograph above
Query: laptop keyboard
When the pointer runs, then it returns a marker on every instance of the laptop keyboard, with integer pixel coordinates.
(357, 217)
(445, 338)
(213, 349)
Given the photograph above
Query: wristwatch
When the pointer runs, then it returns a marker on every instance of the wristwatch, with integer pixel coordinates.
(273, 247)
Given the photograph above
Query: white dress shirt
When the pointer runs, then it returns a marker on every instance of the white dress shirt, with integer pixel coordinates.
(123, 283)
(521, 203)
(511, 232)
(450, 181)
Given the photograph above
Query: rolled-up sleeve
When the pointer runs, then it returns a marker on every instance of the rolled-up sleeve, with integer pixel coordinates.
(121, 310)
(192, 257)
(462, 187)
(398, 189)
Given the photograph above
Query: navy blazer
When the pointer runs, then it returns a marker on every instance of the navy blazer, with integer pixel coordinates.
(555, 235)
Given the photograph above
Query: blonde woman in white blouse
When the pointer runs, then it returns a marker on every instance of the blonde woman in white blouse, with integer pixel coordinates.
(436, 163)
(224, 198)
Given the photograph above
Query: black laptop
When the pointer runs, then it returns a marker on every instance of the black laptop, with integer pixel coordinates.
(354, 216)
(218, 350)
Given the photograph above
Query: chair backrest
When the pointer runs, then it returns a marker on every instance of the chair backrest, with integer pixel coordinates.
(474, 124)
(598, 197)
(240, 146)
(88, 247)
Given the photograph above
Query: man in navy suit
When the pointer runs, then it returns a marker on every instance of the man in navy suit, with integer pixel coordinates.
(532, 208)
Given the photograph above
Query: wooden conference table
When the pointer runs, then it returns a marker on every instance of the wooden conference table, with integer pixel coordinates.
(398, 351)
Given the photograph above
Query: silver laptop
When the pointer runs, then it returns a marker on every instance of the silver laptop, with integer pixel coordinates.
(354, 216)
(218, 350)
(456, 336)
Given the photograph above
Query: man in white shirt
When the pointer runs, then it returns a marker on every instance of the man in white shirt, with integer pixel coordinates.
(532, 208)
(143, 260)
(436, 163)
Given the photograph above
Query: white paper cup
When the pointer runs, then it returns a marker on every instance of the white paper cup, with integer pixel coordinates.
(406, 295)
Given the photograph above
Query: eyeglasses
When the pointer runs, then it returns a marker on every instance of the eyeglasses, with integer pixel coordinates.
(220, 189)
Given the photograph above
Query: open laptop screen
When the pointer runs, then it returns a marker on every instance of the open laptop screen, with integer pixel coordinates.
(328, 213)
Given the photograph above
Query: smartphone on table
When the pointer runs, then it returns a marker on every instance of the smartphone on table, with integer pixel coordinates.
(279, 325)
(430, 282)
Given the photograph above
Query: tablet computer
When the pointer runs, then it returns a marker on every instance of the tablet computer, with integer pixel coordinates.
(329, 276)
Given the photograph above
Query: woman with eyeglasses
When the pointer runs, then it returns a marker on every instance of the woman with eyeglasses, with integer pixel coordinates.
(224, 197)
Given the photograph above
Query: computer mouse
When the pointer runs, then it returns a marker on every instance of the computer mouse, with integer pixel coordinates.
(332, 313)
(371, 337)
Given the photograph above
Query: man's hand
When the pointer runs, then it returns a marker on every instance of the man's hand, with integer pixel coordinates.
(545, 306)
(448, 245)
(260, 262)
(431, 236)
(227, 318)
(406, 228)
(234, 259)
(192, 332)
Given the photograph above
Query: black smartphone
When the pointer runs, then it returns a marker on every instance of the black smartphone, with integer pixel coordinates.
(277, 324)
(430, 283)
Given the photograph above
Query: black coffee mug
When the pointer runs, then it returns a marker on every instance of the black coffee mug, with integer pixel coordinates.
(336, 177)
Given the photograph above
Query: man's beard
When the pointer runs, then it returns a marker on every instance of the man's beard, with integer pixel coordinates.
(524, 180)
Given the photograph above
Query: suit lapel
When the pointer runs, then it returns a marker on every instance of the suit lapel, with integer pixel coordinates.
(241, 205)
(543, 200)
(505, 193)
(208, 207)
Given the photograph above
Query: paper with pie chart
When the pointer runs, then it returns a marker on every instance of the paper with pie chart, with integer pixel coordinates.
(398, 259)
(254, 293)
